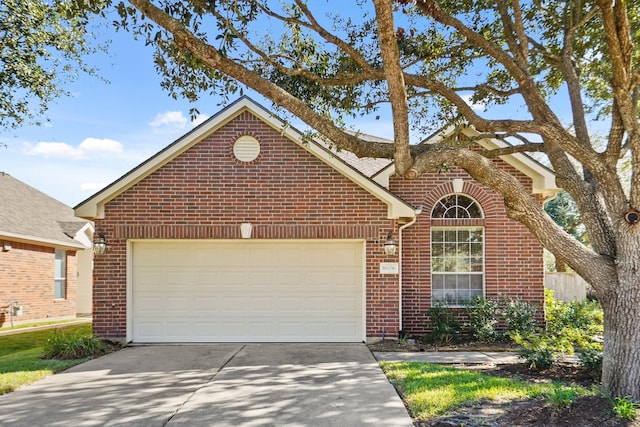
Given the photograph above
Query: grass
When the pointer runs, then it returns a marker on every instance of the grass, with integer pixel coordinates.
(21, 357)
(433, 390)
(32, 324)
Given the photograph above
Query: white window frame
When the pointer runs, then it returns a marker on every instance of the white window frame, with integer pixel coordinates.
(451, 273)
(60, 281)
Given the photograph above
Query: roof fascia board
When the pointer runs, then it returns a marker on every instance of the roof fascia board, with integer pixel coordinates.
(23, 238)
(93, 208)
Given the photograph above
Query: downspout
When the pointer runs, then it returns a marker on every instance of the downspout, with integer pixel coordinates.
(417, 211)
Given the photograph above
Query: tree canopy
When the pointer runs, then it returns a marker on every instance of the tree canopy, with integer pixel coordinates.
(43, 45)
(432, 63)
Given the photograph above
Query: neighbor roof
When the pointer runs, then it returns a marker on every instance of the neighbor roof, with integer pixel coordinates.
(93, 207)
(28, 215)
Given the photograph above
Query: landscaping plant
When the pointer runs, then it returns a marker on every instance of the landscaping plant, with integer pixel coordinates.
(61, 345)
(482, 318)
(519, 316)
(570, 327)
(445, 327)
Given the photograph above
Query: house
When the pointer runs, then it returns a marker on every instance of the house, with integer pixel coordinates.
(45, 256)
(243, 230)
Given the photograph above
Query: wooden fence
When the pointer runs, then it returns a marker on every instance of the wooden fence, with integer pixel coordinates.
(566, 286)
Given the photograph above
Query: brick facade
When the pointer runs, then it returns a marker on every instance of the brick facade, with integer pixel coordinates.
(514, 266)
(27, 276)
(205, 194)
(287, 193)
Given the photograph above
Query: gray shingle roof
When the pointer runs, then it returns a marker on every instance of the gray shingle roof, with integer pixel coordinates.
(367, 166)
(29, 214)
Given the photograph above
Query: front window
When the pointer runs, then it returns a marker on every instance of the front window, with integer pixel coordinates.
(457, 252)
(60, 275)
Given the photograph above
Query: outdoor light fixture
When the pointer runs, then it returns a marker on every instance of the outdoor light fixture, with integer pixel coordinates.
(99, 244)
(390, 245)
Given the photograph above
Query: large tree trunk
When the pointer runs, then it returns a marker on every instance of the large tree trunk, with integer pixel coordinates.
(621, 353)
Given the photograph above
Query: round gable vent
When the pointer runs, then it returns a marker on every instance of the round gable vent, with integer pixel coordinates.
(246, 148)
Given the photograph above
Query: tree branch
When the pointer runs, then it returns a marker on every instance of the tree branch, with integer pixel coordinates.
(395, 80)
(336, 80)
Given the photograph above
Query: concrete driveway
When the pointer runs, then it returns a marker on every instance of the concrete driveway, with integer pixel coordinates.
(214, 385)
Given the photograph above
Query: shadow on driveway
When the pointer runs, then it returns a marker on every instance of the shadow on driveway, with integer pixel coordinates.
(214, 385)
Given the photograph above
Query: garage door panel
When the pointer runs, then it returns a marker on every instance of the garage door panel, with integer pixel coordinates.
(206, 291)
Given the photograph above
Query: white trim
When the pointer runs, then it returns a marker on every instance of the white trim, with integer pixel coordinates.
(129, 261)
(484, 260)
(93, 207)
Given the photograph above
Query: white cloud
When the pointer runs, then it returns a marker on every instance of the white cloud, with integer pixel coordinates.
(200, 118)
(174, 119)
(53, 149)
(103, 145)
(82, 151)
(479, 106)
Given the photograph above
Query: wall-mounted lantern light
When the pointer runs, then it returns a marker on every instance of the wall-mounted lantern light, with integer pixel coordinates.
(99, 244)
(6, 246)
(390, 245)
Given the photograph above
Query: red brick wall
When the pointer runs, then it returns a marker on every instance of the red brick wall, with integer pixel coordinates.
(205, 193)
(514, 265)
(26, 276)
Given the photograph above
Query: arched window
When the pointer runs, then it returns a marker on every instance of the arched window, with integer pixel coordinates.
(457, 252)
(456, 206)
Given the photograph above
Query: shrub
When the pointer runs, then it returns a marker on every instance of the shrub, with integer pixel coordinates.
(586, 315)
(519, 316)
(536, 350)
(63, 346)
(483, 319)
(591, 360)
(445, 328)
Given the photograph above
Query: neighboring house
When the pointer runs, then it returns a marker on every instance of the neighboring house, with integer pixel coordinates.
(242, 230)
(45, 256)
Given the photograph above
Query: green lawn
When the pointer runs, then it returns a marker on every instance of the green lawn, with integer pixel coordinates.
(434, 390)
(21, 357)
(29, 325)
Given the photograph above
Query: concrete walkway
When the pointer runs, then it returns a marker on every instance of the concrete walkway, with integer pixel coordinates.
(450, 357)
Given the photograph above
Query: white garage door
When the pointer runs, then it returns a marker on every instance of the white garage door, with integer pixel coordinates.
(253, 291)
